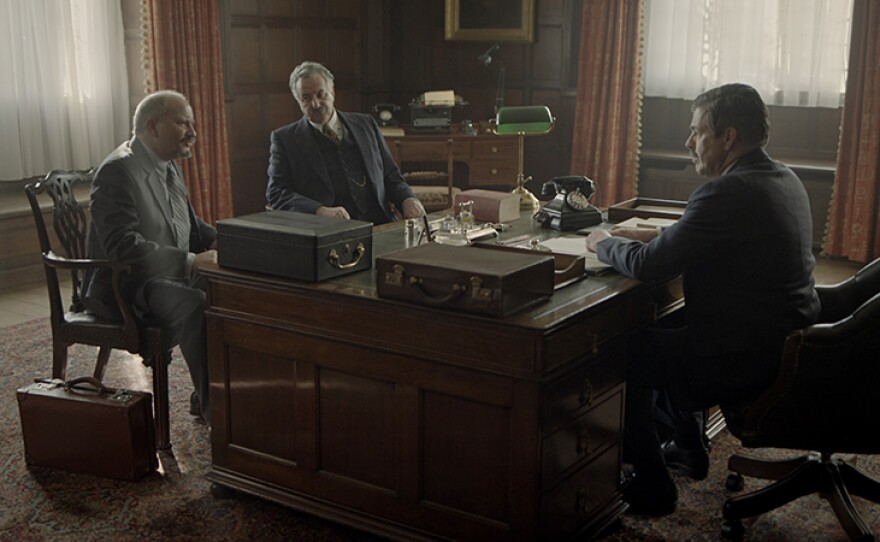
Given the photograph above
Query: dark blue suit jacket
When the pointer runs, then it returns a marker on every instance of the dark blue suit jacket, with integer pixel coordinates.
(298, 178)
(744, 249)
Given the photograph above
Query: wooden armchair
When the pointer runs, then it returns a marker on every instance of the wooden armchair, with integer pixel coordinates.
(76, 325)
(825, 399)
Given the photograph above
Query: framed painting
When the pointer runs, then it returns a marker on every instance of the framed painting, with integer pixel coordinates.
(490, 20)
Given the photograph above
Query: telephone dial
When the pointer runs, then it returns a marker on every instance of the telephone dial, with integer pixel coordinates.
(386, 113)
(570, 208)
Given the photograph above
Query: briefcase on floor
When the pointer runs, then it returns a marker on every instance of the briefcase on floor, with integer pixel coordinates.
(468, 279)
(295, 245)
(82, 426)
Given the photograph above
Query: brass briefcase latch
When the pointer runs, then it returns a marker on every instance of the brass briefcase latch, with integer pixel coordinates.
(395, 276)
(478, 292)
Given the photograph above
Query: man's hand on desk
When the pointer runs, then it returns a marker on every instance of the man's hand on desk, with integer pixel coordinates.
(596, 237)
(335, 212)
(636, 234)
(412, 208)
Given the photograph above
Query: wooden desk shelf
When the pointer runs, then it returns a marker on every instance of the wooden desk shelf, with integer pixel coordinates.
(491, 160)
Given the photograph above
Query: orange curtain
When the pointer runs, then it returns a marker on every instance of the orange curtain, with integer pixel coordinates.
(184, 54)
(605, 142)
(852, 229)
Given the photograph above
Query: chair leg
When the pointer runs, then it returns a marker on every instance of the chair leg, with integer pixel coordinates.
(802, 481)
(859, 482)
(766, 469)
(160, 394)
(59, 360)
(101, 365)
(844, 509)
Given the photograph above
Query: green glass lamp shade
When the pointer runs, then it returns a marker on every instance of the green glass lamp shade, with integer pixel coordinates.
(528, 119)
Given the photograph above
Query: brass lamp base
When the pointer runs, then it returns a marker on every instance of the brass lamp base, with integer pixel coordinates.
(527, 200)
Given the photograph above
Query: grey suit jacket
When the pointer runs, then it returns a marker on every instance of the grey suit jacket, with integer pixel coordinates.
(131, 224)
(744, 249)
(298, 178)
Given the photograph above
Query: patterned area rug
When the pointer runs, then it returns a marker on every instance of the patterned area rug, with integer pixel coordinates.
(176, 503)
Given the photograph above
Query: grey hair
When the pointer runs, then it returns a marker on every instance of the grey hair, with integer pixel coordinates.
(153, 106)
(308, 69)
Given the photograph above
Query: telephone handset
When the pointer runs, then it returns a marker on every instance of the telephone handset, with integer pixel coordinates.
(570, 208)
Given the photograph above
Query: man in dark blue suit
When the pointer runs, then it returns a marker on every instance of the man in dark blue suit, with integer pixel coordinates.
(744, 249)
(332, 163)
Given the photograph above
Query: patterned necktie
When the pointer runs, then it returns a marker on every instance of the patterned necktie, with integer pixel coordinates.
(179, 208)
(331, 134)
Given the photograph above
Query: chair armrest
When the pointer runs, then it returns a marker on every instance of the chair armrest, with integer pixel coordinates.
(842, 299)
(130, 323)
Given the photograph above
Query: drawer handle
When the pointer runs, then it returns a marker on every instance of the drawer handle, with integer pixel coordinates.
(583, 441)
(359, 252)
(586, 396)
(494, 148)
(494, 171)
(580, 502)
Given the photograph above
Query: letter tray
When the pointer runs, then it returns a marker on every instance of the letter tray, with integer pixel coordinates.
(295, 245)
(492, 282)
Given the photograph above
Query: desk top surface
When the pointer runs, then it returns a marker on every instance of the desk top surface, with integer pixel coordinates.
(585, 295)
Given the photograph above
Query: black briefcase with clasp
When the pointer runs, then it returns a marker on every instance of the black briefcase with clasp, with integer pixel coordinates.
(295, 245)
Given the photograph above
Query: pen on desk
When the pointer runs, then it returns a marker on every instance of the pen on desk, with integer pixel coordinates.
(513, 240)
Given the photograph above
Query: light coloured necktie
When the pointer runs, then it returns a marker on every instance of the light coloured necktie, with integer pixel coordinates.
(179, 208)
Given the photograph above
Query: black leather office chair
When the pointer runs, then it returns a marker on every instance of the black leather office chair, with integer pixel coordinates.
(76, 325)
(825, 399)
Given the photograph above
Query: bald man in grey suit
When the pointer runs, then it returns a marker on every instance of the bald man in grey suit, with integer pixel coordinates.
(142, 217)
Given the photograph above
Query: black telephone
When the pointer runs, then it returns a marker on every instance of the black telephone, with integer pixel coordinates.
(570, 208)
(386, 113)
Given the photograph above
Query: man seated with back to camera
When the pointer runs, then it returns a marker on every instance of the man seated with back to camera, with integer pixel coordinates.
(743, 248)
(333, 163)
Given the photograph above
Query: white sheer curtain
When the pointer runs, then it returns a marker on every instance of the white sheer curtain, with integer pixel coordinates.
(64, 90)
(793, 52)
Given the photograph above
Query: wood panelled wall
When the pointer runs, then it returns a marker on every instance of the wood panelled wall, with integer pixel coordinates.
(385, 51)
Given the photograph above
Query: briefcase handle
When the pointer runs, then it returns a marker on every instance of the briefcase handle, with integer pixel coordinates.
(359, 252)
(74, 384)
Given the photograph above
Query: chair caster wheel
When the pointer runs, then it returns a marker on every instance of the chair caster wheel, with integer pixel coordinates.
(735, 482)
(732, 529)
(221, 492)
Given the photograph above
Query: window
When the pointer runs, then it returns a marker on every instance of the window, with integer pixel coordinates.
(64, 91)
(793, 52)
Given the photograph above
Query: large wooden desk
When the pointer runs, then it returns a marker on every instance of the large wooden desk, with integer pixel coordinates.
(420, 423)
(491, 160)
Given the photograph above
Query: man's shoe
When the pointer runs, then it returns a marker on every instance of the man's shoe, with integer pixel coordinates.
(650, 497)
(195, 407)
(692, 463)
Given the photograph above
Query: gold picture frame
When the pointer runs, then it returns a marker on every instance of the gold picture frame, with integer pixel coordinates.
(490, 20)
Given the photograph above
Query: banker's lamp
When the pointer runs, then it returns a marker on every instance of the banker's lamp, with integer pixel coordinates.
(522, 121)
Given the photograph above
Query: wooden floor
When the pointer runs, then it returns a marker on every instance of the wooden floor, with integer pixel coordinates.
(30, 302)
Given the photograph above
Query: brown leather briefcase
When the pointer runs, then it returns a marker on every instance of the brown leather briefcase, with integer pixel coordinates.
(468, 279)
(82, 426)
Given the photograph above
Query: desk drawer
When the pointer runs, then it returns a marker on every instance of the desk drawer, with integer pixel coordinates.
(577, 440)
(573, 502)
(582, 388)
